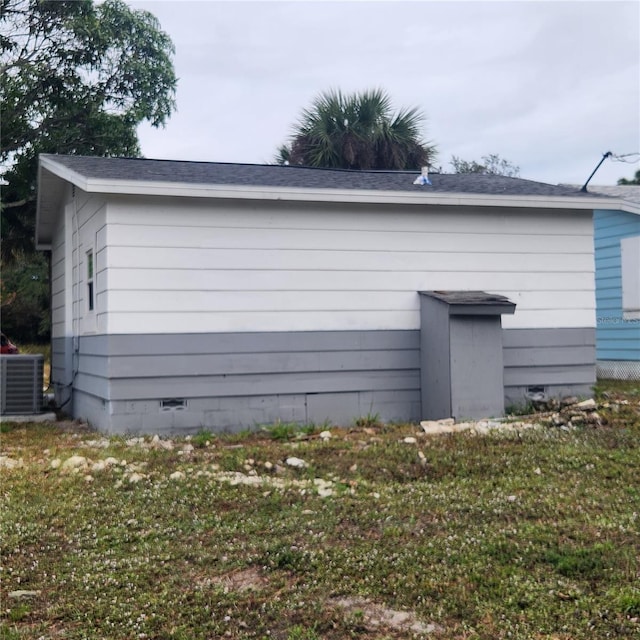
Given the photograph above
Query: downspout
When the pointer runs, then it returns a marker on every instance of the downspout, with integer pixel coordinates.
(75, 320)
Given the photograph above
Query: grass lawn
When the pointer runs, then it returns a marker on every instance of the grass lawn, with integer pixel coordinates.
(525, 534)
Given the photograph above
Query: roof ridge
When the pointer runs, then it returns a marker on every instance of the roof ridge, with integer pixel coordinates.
(242, 164)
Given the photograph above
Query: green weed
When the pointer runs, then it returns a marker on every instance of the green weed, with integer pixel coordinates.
(588, 563)
(300, 632)
(202, 439)
(504, 536)
(628, 601)
(284, 431)
(370, 420)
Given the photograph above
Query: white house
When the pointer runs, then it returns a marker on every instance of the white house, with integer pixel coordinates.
(192, 295)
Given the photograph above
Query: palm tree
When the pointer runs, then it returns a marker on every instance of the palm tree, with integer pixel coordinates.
(357, 131)
(634, 180)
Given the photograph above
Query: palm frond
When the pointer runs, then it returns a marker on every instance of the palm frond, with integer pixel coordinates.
(359, 131)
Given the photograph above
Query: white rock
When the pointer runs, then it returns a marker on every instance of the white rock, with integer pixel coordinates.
(135, 477)
(587, 404)
(55, 463)
(432, 427)
(296, 462)
(538, 471)
(158, 443)
(75, 462)
(10, 463)
(462, 426)
(512, 498)
(325, 435)
(323, 487)
(177, 475)
(23, 593)
(409, 440)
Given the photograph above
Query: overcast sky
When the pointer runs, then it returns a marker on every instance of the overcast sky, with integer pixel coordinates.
(550, 86)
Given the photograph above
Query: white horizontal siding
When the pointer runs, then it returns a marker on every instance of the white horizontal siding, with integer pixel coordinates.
(180, 267)
(177, 213)
(249, 301)
(87, 214)
(169, 279)
(417, 241)
(218, 322)
(356, 260)
(58, 291)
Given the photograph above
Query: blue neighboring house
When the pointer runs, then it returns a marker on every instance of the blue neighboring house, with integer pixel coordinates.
(617, 263)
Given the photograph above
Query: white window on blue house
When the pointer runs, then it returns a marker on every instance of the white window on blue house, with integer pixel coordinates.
(630, 263)
(90, 288)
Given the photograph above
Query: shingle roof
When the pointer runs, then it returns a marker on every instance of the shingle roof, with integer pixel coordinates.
(628, 192)
(219, 173)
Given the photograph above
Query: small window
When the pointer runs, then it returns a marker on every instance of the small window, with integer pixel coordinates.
(90, 291)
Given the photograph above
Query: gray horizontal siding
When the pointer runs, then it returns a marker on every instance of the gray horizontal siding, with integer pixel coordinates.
(62, 368)
(544, 376)
(571, 337)
(232, 381)
(93, 385)
(241, 364)
(189, 365)
(548, 356)
(273, 383)
(234, 343)
(235, 380)
(556, 359)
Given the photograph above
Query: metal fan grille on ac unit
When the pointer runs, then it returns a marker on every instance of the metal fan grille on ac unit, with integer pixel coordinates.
(21, 379)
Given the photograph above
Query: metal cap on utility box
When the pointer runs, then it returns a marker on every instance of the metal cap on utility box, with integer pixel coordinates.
(472, 303)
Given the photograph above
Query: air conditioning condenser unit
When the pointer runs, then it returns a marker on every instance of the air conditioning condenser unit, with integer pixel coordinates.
(21, 378)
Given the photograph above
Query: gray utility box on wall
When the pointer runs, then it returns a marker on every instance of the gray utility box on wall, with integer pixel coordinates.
(461, 354)
(21, 378)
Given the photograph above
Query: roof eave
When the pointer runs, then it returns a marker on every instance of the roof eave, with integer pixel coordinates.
(41, 246)
(366, 196)
(47, 203)
(622, 205)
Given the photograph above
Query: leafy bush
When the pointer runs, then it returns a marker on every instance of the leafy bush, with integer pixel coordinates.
(25, 299)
